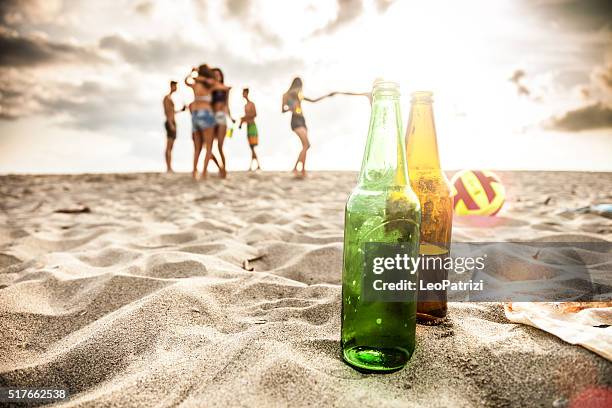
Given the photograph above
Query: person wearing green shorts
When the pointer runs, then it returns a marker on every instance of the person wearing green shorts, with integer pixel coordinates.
(249, 118)
(252, 134)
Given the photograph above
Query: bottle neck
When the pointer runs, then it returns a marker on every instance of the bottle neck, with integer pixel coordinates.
(384, 162)
(422, 145)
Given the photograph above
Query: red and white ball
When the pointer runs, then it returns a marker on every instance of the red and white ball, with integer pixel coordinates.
(477, 192)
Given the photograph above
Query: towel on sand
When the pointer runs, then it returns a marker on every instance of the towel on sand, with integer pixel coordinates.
(587, 324)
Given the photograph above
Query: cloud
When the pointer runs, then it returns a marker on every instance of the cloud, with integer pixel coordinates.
(201, 9)
(590, 117)
(144, 8)
(598, 91)
(149, 53)
(569, 77)
(603, 76)
(516, 78)
(9, 12)
(23, 51)
(517, 75)
(348, 10)
(243, 11)
(268, 37)
(159, 55)
(14, 101)
(86, 105)
(238, 8)
(576, 14)
(246, 15)
(585, 93)
(94, 106)
(383, 5)
(15, 12)
(597, 86)
(18, 94)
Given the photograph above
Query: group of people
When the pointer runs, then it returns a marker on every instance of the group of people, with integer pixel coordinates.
(209, 118)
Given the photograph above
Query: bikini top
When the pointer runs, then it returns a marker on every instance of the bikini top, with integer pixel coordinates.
(203, 98)
(293, 100)
(294, 97)
(219, 96)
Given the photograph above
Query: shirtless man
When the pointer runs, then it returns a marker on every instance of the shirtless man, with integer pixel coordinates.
(170, 125)
(249, 118)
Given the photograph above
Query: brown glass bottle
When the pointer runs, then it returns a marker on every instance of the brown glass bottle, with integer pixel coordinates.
(433, 189)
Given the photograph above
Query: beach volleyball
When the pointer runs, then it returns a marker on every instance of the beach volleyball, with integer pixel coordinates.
(477, 192)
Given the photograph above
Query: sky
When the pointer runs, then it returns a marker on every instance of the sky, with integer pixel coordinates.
(520, 84)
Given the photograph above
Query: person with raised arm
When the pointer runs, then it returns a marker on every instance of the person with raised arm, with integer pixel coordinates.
(292, 101)
(202, 82)
(366, 94)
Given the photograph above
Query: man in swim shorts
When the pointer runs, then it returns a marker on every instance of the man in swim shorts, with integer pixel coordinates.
(250, 112)
(170, 125)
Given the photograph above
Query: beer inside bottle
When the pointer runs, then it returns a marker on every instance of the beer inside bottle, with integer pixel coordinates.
(381, 212)
(433, 189)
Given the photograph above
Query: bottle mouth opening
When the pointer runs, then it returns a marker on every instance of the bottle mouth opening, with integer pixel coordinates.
(422, 96)
(384, 87)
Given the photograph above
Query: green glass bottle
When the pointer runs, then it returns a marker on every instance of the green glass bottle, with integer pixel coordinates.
(382, 216)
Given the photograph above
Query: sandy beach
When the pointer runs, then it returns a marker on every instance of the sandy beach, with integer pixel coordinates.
(154, 290)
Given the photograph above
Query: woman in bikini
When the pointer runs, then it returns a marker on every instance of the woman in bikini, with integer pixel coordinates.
(201, 81)
(221, 109)
(292, 101)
